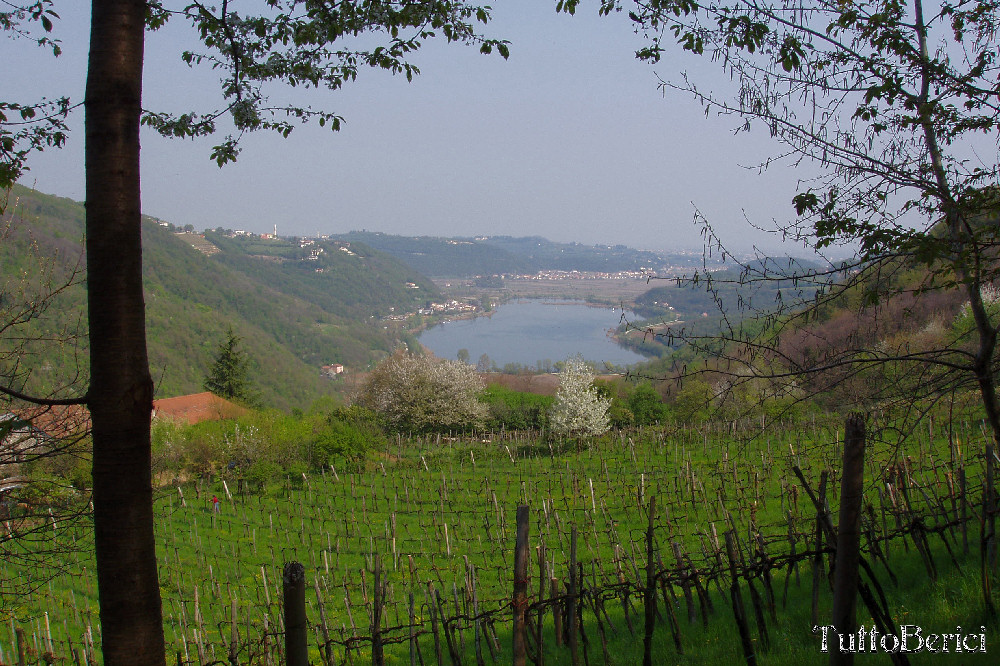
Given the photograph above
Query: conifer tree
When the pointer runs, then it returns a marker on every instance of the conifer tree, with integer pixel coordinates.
(230, 374)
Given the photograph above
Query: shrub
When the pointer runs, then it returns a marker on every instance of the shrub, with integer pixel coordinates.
(262, 473)
(694, 401)
(515, 410)
(262, 446)
(646, 405)
(348, 433)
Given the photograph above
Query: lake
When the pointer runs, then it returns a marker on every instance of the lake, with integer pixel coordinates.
(532, 331)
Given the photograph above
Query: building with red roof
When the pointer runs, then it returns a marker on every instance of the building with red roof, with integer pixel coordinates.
(196, 407)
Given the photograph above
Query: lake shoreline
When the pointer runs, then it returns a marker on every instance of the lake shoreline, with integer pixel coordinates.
(534, 333)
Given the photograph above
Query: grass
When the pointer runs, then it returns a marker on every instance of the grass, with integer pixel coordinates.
(435, 510)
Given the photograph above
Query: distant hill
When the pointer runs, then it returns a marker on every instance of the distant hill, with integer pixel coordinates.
(546, 255)
(296, 306)
(495, 255)
(688, 299)
(719, 299)
(444, 257)
(892, 308)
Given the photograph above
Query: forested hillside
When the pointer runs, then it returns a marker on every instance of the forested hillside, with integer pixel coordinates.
(547, 255)
(444, 257)
(493, 255)
(347, 279)
(294, 314)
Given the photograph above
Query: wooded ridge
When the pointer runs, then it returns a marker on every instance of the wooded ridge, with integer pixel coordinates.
(294, 314)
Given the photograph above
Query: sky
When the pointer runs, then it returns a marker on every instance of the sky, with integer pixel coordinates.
(571, 138)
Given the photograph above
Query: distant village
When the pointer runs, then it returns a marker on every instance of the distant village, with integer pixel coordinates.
(640, 274)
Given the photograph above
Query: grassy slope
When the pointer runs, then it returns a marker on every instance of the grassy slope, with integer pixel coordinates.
(400, 506)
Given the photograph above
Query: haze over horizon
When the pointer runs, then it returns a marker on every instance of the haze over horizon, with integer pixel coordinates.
(570, 139)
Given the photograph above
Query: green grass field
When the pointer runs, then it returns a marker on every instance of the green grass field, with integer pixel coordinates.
(440, 514)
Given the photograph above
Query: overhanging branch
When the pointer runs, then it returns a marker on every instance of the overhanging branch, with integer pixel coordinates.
(46, 402)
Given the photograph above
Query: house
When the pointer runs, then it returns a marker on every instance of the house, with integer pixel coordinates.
(34, 431)
(332, 371)
(18, 438)
(196, 407)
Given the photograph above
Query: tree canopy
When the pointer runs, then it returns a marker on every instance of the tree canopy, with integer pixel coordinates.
(423, 394)
(892, 111)
(578, 409)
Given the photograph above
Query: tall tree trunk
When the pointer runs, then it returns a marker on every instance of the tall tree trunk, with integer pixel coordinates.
(963, 239)
(121, 389)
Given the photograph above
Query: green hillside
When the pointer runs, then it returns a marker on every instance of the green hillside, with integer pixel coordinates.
(445, 257)
(346, 279)
(547, 255)
(494, 255)
(293, 313)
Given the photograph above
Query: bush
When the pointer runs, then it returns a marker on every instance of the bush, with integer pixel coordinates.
(646, 405)
(348, 433)
(262, 446)
(694, 402)
(515, 410)
(261, 474)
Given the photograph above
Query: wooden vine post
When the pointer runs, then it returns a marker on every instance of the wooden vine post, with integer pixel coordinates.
(739, 610)
(520, 601)
(650, 596)
(540, 619)
(378, 657)
(296, 627)
(326, 649)
(574, 585)
(845, 583)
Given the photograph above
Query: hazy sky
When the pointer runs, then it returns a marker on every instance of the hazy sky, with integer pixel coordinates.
(569, 139)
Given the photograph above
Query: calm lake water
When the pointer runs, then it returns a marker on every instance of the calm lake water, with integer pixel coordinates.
(529, 331)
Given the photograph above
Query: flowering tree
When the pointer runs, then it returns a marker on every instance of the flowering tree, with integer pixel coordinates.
(578, 409)
(424, 394)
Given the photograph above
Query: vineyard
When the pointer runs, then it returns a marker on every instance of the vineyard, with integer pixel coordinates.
(706, 544)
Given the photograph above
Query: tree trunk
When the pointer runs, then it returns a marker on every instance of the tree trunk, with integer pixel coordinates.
(121, 390)
(962, 238)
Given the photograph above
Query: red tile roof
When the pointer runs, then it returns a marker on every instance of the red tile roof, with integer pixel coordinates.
(196, 407)
(59, 421)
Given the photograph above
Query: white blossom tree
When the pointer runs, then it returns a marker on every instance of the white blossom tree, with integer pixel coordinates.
(578, 409)
(424, 394)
